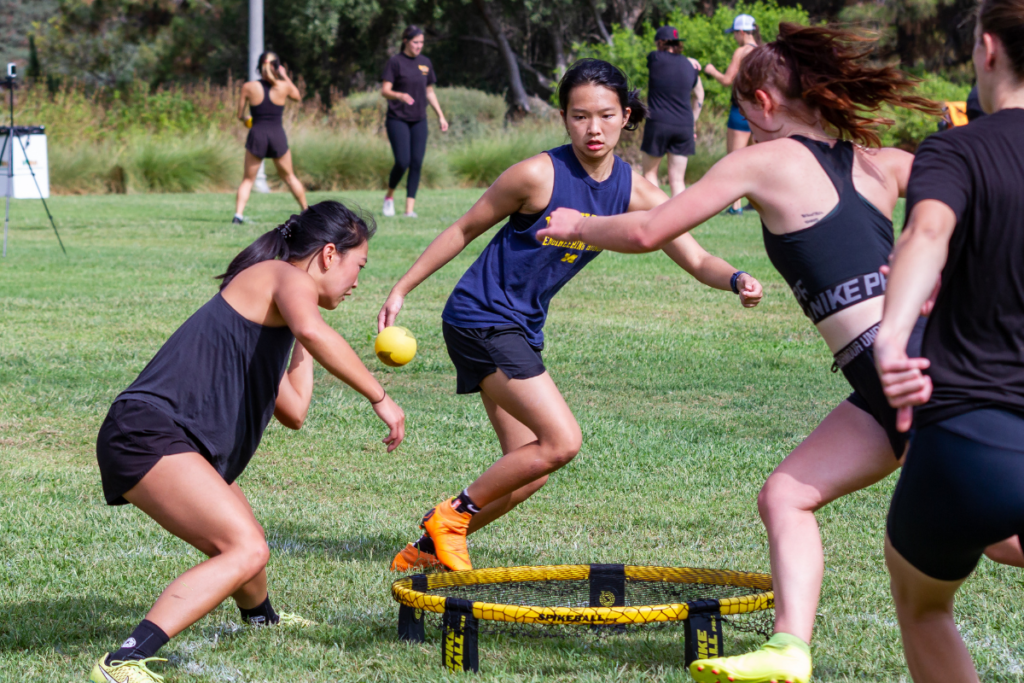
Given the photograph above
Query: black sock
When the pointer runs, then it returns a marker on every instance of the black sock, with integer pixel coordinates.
(465, 504)
(425, 545)
(144, 641)
(261, 615)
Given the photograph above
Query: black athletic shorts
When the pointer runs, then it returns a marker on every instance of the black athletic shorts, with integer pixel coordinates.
(480, 351)
(660, 138)
(267, 141)
(957, 495)
(867, 388)
(132, 440)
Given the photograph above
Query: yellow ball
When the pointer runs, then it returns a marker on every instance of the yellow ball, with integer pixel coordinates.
(395, 346)
(248, 122)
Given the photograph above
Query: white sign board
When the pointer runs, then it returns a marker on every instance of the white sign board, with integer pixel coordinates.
(34, 155)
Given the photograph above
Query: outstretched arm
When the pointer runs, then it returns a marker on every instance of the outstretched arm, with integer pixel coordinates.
(641, 231)
(917, 263)
(690, 256)
(506, 196)
(243, 99)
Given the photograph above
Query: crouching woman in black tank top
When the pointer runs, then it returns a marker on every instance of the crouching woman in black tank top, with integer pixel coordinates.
(175, 440)
(962, 487)
(266, 140)
(826, 208)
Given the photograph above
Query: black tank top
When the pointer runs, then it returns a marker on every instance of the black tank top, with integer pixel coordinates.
(266, 112)
(834, 264)
(217, 376)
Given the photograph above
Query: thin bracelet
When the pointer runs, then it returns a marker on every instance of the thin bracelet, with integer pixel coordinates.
(373, 403)
(735, 277)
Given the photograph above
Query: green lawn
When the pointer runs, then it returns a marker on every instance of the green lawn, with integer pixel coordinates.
(687, 402)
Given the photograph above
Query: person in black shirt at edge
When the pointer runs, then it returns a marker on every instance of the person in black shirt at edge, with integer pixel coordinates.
(962, 487)
(826, 208)
(266, 99)
(408, 86)
(176, 439)
(675, 99)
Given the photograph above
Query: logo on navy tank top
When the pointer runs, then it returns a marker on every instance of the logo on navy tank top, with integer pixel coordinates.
(576, 245)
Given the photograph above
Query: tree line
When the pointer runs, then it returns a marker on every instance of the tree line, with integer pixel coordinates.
(515, 47)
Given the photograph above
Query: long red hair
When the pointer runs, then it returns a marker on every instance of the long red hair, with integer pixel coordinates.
(829, 70)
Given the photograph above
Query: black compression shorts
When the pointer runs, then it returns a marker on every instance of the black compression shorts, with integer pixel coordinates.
(267, 141)
(958, 495)
(132, 439)
(479, 352)
(867, 389)
(660, 138)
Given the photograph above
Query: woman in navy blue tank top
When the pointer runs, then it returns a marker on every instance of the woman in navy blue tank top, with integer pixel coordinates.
(267, 140)
(826, 208)
(493, 321)
(176, 439)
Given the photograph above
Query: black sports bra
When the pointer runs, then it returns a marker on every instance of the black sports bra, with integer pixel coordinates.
(266, 111)
(834, 264)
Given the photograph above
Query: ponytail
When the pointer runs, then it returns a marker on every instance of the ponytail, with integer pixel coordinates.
(600, 72)
(829, 70)
(268, 63)
(303, 235)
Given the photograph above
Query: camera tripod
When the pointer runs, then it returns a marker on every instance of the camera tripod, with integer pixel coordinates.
(14, 133)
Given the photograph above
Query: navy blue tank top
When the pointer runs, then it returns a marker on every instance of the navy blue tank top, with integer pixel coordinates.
(266, 112)
(834, 264)
(516, 276)
(217, 376)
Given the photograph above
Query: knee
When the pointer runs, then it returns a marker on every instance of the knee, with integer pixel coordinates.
(254, 558)
(780, 494)
(561, 449)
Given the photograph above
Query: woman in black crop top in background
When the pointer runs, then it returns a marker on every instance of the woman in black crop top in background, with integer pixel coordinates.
(826, 206)
(176, 439)
(266, 140)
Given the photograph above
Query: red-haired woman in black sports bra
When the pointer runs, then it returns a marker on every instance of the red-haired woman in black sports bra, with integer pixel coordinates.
(266, 99)
(826, 202)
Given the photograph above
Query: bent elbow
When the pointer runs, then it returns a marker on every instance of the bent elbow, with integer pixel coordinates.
(309, 336)
(645, 242)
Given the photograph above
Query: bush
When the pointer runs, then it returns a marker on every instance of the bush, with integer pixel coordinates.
(911, 127)
(480, 162)
(183, 165)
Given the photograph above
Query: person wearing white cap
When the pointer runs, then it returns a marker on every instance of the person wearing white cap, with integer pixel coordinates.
(737, 134)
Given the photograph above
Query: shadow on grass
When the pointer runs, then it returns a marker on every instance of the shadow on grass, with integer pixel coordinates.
(68, 624)
(300, 539)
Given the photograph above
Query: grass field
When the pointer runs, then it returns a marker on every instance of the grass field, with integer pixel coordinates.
(686, 400)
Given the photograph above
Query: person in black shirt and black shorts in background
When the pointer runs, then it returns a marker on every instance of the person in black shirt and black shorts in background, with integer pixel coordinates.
(962, 487)
(266, 99)
(675, 97)
(409, 85)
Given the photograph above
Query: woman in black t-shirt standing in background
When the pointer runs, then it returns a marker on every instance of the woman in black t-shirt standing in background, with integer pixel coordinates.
(962, 486)
(409, 85)
(675, 98)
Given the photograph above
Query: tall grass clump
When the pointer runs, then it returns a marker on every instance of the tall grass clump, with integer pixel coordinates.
(480, 162)
(182, 165)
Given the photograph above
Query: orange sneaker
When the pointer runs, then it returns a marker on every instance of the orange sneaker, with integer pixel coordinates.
(412, 558)
(448, 530)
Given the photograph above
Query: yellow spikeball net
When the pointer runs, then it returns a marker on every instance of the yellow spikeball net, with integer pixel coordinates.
(608, 597)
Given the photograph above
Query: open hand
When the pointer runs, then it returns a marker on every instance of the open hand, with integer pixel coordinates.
(750, 290)
(389, 311)
(407, 98)
(564, 225)
(389, 412)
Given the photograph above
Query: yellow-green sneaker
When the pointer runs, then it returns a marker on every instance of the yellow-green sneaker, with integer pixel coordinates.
(783, 659)
(289, 619)
(132, 671)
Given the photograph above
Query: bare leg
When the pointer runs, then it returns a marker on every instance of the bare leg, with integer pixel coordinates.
(734, 140)
(651, 166)
(512, 434)
(677, 173)
(537, 404)
(187, 497)
(933, 647)
(249, 170)
(285, 172)
(1006, 552)
(847, 452)
(410, 203)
